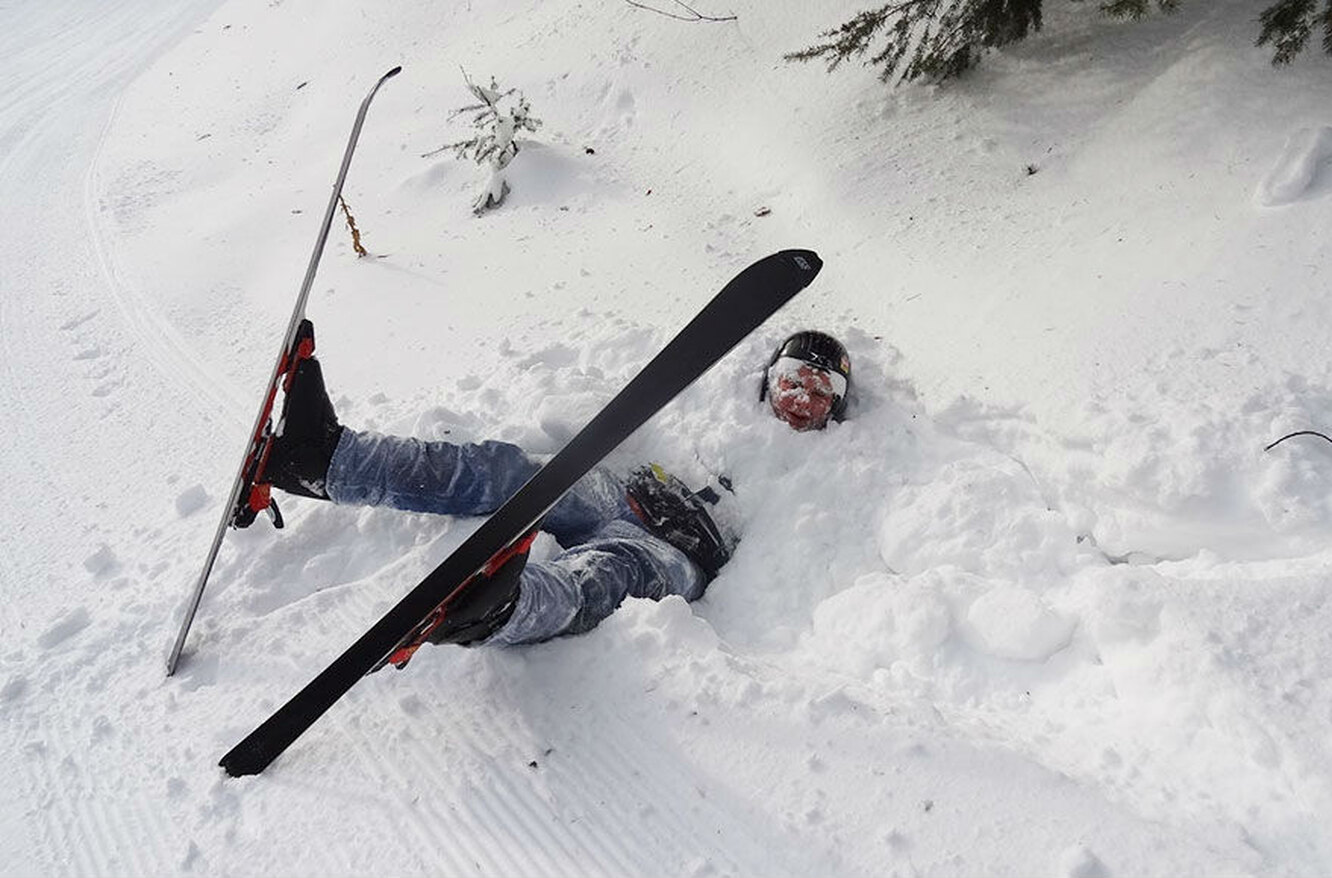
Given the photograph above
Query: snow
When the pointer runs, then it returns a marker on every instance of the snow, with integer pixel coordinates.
(1295, 168)
(1041, 605)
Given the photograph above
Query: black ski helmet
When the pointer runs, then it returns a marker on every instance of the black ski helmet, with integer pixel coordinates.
(818, 349)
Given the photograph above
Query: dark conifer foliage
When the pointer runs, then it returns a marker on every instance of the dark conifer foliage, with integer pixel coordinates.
(1136, 9)
(935, 40)
(1287, 24)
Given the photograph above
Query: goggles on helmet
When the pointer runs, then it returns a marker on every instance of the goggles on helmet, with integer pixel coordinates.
(801, 370)
(802, 394)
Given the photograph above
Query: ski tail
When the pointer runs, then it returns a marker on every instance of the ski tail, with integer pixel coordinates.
(741, 306)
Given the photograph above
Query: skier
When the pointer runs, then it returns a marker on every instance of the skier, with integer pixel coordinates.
(647, 536)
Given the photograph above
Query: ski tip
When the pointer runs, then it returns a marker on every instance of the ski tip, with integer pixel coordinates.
(394, 72)
(806, 260)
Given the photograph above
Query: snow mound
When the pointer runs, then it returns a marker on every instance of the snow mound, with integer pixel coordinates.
(1293, 173)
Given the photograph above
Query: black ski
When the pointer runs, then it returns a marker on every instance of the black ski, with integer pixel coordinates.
(742, 305)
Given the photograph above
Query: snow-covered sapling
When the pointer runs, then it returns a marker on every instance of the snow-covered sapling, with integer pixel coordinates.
(498, 116)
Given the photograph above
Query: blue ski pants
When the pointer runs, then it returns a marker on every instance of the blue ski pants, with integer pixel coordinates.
(607, 555)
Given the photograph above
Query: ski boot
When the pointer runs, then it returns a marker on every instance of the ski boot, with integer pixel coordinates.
(672, 512)
(473, 612)
(307, 435)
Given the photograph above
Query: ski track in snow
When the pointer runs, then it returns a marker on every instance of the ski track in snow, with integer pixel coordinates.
(67, 362)
(958, 638)
(174, 357)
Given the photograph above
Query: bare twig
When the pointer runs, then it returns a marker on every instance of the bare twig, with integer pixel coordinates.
(351, 224)
(694, 14)
(1297, 433)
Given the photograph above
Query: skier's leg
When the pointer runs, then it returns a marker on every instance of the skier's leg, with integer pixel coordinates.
(413, 475)
(315, 456)
(371, 469)
(575, 591)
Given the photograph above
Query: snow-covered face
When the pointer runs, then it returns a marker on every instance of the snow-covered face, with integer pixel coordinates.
(802, 394)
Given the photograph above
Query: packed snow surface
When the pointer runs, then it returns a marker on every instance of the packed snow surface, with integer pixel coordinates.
(1042, 605)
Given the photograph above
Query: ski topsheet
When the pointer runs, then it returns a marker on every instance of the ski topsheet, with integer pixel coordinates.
(742, 305)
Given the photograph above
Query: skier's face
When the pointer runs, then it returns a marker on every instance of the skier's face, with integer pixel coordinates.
(802, 395)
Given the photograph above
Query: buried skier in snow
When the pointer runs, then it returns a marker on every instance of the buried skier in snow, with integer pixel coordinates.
(646, 536)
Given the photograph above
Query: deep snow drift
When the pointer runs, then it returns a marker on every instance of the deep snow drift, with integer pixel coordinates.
(1041, 605)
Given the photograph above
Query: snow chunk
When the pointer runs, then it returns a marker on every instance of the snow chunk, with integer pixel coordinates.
(191, 500)
(561, 417)
(1013, 623)
(668, 625)
(1079, 862)
(101, 562)
(984, 516)
(73, 622)
(879, 621)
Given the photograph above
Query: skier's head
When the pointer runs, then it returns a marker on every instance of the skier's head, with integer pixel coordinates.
(807, 380)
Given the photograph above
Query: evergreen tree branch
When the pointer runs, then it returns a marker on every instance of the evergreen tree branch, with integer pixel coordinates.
(1136, 9)
(1287, 25)
(940, 39)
